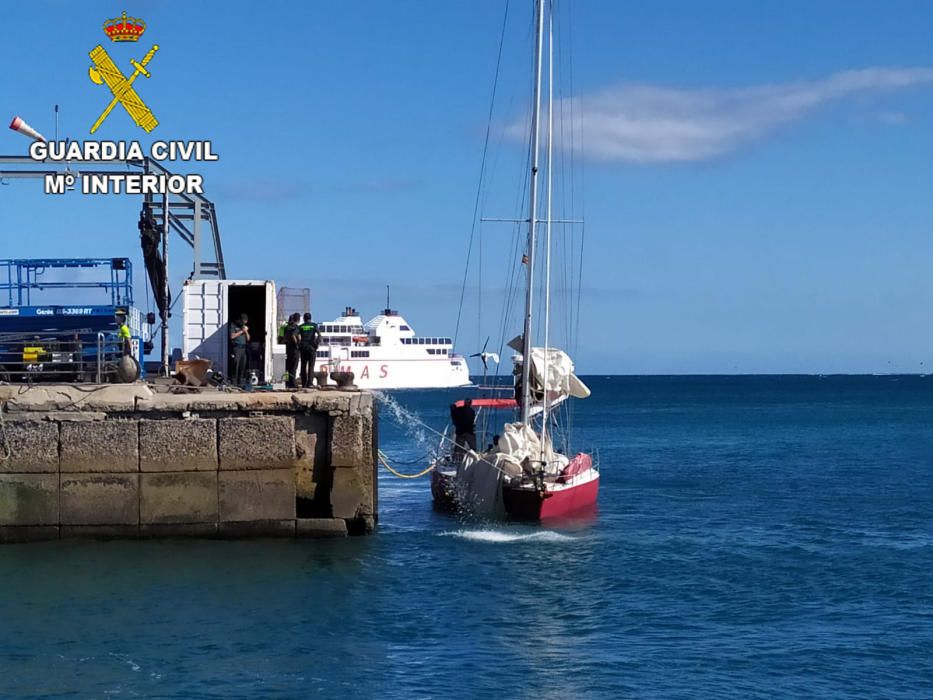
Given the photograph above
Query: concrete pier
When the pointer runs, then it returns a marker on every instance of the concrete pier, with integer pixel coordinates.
(124, 461)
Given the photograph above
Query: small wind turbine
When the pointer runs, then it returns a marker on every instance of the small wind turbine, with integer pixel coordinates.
(485, 357)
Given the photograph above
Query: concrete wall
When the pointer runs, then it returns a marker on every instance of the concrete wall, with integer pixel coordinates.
(122, 461)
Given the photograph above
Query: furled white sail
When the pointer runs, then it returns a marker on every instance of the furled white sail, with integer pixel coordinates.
(552, 372)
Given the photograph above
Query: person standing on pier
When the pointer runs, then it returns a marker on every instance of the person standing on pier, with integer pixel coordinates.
(310, 340)
(239, 337)
(123, 334)
(292, 341)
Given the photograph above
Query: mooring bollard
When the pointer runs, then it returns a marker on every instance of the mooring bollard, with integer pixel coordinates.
(344, 380)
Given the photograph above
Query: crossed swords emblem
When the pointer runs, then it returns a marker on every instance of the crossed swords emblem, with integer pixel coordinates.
(105, 70)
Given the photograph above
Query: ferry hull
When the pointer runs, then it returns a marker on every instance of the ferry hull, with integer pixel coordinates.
(404, 374)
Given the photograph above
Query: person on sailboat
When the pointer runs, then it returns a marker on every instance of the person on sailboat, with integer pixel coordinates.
(464, 420)
(517, 381)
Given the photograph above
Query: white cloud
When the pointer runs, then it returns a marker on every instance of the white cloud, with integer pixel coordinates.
(650, 124)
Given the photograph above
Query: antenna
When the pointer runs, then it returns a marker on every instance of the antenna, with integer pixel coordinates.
(387, 297)
(56, 122)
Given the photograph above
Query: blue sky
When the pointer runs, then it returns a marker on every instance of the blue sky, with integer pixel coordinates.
(755, 177)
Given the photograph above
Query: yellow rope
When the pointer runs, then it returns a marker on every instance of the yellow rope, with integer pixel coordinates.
(385, 463)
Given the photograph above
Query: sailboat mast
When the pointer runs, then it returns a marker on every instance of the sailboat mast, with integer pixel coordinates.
(532, 217)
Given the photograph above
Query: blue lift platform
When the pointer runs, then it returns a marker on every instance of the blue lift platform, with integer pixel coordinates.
(74, 336)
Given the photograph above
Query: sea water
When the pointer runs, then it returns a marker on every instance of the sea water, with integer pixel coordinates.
(756, 537)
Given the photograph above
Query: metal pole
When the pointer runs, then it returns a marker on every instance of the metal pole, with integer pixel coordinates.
(532, 218)
(547, 238)
(100, 356)
(165, 300)
(197, 239)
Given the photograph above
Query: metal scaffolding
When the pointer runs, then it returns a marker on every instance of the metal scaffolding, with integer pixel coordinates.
(192, 216)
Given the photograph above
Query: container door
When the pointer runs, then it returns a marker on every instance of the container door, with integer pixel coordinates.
(271, 331)
(204, 328)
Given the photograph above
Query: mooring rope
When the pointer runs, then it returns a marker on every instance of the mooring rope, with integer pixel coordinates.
(444, 438)
(385, 463)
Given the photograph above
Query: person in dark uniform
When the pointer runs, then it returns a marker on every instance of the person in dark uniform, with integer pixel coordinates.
(239, 337)
(292, 341)
(310, 340)
(464, 420)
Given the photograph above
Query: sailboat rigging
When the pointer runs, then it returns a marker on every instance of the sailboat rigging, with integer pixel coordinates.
(522, 476)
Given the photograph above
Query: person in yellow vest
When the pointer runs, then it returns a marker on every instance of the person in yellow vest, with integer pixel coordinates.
(123, 334)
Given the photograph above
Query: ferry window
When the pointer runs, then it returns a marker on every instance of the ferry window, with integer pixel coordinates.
(359, 353)
(430, 351)
(323, 353)
(404, 328)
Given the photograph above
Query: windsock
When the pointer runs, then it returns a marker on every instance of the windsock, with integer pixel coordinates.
(22, 127)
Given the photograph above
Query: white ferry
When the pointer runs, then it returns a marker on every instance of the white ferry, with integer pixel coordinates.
(385, 353)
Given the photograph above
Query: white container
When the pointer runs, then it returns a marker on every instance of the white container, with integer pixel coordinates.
(211, 306)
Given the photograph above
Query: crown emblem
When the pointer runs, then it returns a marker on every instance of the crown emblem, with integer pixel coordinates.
(124, 28)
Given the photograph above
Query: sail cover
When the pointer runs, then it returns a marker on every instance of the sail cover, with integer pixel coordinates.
(521, 449)
(552, 372)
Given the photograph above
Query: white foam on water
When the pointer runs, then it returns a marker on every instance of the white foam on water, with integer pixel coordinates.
(128, 661)
(408, 420)
(500, 537)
